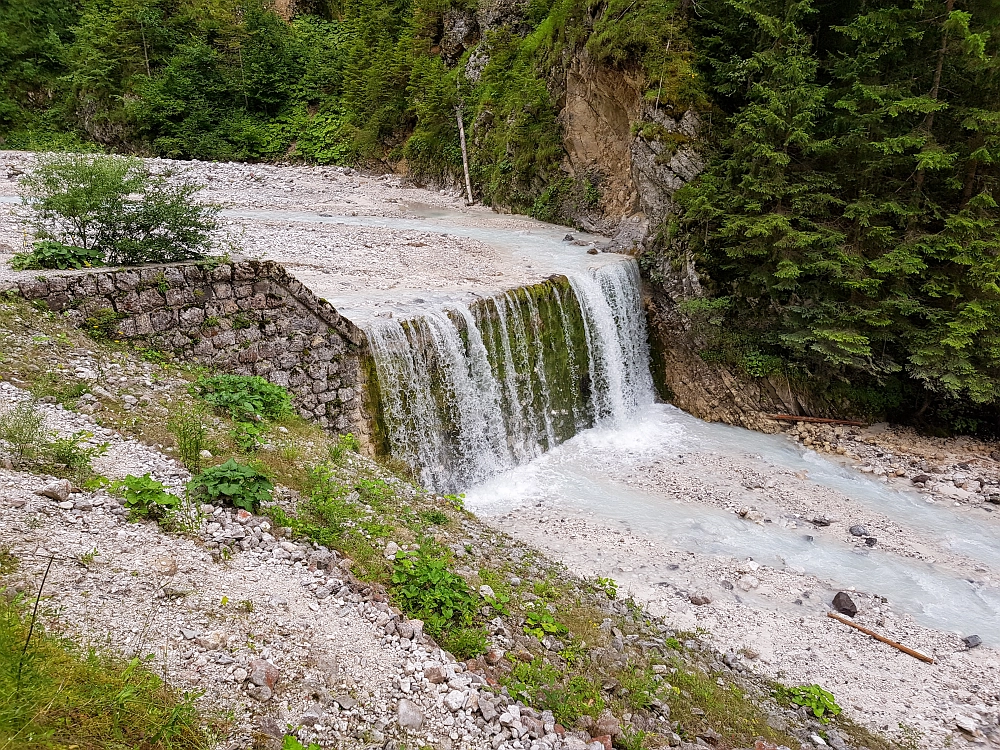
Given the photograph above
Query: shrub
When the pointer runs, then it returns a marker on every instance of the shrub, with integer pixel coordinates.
(541, 623)
(145, 497)
(465, 643)
(23, 432)
(244, 398)
(344, 444)
(819, 701)
(426, 588)
(52, 254)
(233, 484)
(112, 208)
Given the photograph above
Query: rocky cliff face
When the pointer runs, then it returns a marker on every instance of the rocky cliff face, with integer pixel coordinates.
(640, 154)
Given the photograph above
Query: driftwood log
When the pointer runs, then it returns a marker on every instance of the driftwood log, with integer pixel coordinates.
(877, 637)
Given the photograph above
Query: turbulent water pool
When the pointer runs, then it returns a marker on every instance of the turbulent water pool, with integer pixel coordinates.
(587, 475)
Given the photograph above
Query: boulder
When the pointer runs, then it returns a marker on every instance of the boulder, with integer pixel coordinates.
(59, 490)
(971, 641)
(408, 715)
(843, 603)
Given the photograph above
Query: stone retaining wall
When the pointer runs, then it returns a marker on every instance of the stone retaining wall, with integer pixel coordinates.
(246, 318)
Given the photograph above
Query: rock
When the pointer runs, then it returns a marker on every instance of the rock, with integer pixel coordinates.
(821, 521)
(601, 742)
(487, 592)
(921, 479)
(435, 674)
(535, 727)
(607, 724)
(592, 251)
(971, 641)
(700, 600)
(408, 715)
(844, 604)
(454, 700)
(263, 673)
(312, 715)
(570, 238)
(165, 565)
(346, 702)
(58, 490)
(260, 693)
(493, 656)
(748, 583)
(390, 550)
(966, 724)
(710, 736)
(239, 674)
(858, 530)
(871, 541)
(205, 453)
(215, 641)
(404, 629)
(487, 709)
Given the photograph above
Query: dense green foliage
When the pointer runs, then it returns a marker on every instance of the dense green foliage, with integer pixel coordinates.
(144, 496)
(233, 484)
(93, 208)
(350, 82)
(847, 226)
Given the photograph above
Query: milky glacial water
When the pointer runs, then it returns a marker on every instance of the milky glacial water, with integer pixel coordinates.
(583, 476)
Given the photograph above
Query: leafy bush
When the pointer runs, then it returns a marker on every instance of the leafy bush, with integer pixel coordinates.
(248, 400)
(425, 588)
(233, 484)
(112, 208)
(52, 254)
(819, 701)
(345, 443)
(144, 496)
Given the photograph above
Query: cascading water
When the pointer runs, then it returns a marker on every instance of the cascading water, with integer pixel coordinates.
(471, 391)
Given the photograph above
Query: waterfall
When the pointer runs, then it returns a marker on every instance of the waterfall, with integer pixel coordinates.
(467, 392)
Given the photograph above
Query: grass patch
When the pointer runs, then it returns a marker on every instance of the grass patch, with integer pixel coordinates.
(70, 698)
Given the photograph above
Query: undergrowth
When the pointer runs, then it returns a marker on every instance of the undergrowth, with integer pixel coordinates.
(61, 696)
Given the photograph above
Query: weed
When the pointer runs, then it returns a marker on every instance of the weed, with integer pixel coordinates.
(188, 427)
(541, 623)
(145, 497)
(633, 740)
(88, 557)
(22, 431)
(609, 586)
(233, 484)
(434, 517)
(69, 698)
(465, 643)
(103, 325)
(9, 563)
(245, 605)
(69, 452)
(344, 444)
(291, 742)
(244, 398)
(457, 501)
(813, 697)
(426, 588)
(53, 254)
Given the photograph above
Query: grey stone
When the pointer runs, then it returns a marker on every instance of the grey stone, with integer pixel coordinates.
(346, 702)
(59, 490)
(454, 700)
(409, 715)
(859, 530)
(260, 693)
(971, 641)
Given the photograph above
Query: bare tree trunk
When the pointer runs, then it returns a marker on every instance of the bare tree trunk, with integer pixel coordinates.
(465, 156)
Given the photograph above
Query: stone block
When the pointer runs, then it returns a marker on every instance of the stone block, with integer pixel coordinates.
(126, 281)
(222, 290)
(179, 296)
(151, 299)
(191, 317)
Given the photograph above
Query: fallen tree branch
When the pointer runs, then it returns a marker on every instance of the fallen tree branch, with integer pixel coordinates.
(877, 637)
(818, 420)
